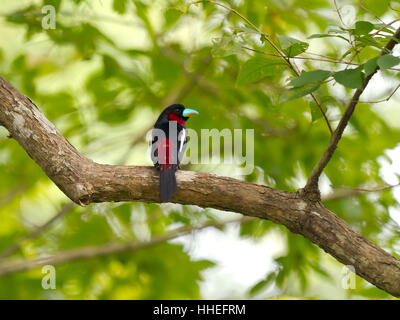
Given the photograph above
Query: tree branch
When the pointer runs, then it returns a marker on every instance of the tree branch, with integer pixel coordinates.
(385, 99)
(10, 250)
(351, 192)
(85, 181)
(311, 187)
(19, 265)
(291, 65)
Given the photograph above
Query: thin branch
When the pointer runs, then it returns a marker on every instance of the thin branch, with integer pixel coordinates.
(303, 58)
(391, 7)
(385, 99)
(351, 192)
(9, 251)
(312, 182)
(11, 267)
(325, 59)
(370, 12)
(280, 53)
(339, 14)
(384, 27)
(357, 51)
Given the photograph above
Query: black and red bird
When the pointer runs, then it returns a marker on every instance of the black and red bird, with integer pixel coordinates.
(168, 145)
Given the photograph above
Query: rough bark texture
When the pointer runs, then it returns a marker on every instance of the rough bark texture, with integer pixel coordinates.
(85, 181)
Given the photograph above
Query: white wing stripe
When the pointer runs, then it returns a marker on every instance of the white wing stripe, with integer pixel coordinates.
(182, 139)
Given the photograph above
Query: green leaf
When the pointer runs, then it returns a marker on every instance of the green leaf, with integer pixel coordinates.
(321, 271)
(259, 286)
(119, 6)
(305, 84)
(387, 61)
(370, 66)
(307, 77)
(292, 47)
(321, 35)
(171, 16)
(363, 27)
(350, 78)
(296, 93)
(326, 35)
(258, 68)
(315, 111)
(367, 40)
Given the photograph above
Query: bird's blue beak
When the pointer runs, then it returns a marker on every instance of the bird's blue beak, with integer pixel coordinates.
(189, 112)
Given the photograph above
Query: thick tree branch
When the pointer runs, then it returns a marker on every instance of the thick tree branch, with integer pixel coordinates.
(311, 187)
(85, 181)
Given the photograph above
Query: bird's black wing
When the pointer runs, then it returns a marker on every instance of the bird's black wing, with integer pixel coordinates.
(154, 150)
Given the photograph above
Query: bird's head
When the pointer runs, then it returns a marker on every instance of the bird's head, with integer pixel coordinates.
(178, 113)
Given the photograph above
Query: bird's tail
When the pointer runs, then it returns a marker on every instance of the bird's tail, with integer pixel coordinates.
(168, 186)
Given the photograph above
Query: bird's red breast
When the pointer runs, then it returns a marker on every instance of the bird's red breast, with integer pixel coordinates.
(165, 153)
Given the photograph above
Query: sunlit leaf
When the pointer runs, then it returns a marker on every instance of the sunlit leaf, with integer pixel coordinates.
(292, 47)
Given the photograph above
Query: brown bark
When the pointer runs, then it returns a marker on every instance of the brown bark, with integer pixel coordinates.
(85, 181)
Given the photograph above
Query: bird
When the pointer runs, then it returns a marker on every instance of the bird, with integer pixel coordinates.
(168, 145)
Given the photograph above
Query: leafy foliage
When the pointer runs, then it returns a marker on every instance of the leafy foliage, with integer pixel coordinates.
(258, 68)
(110, 67)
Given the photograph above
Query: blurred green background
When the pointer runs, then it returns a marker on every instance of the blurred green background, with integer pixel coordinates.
(104, 74)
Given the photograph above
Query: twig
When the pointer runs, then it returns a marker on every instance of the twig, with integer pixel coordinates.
(65, 209)
(280, 53)
(303, 58)
(350, 192)
(311, 187)
(370, 12)
(339, 13)
(383, 100)
(390, 6)
(10, 267)
(326, 59)
(357, 51)
(384, 27)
